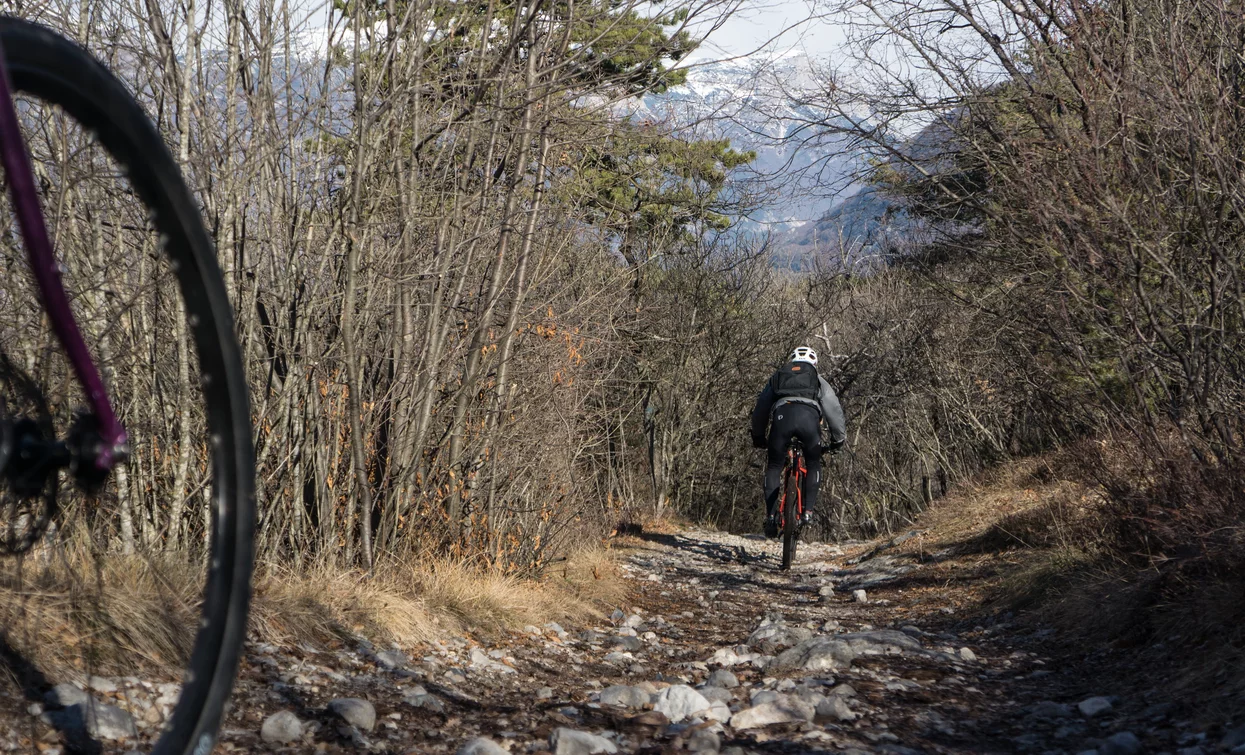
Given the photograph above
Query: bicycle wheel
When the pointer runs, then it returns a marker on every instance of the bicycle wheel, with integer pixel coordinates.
(790, 517)
(138, 591)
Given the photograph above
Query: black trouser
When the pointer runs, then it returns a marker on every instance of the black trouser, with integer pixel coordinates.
(801, 421)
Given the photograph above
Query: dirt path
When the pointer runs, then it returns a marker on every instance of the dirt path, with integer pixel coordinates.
(718, 651)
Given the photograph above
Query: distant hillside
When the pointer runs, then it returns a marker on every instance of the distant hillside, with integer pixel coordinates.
(798, 175)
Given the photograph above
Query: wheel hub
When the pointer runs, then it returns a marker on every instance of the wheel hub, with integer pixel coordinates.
(30, 458)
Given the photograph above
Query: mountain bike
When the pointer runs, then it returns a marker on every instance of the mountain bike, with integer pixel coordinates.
(127, 473)
(791, 504)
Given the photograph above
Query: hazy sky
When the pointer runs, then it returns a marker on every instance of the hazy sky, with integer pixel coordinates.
(775, 25)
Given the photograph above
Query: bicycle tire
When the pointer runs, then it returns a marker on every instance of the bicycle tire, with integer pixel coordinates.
(50, 68)
(790, 518)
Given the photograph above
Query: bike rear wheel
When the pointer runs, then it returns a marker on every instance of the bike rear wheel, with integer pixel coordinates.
(138, 591)
(790, 518)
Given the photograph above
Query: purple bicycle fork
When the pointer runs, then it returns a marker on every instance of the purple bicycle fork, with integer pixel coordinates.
(21, 177)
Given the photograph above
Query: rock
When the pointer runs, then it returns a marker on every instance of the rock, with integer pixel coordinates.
(762, 696)
(544, 693)
(836, 708)
(679, 702)
(35, 709)
(391, 659)
(704, 740)
(843, 690)
(627, 643)
(860, 596)
(633, 621)
(1093, 706)
(725, 657)
(354, 711)
(625, 696)
(817, 654)
(782, 711)
(571, 742)
(771, 636)
(826, 591)
(618, 616)
(1048, 710)
(967, 655)
(425, 701)
(97, 719)
(718, 711)
(153, 716)
(101, 684)
(1123, 743)
(480, 660)
(717, 695)
(880, 642)
(65, 695)
(1158, 711)
(481, 746)
(722, 678)
(281, 727)
(1233, 739)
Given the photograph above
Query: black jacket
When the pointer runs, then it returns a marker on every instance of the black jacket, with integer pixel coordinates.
(827, 403)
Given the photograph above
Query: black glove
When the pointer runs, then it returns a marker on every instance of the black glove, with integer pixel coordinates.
(758, 441)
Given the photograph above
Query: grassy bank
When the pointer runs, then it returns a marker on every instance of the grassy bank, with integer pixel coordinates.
(1031, 540)
(137, 614)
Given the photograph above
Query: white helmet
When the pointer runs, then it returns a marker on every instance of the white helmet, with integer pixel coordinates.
(803, 354)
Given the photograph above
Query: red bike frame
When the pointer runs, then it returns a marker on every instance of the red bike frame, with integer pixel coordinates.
(792, 474)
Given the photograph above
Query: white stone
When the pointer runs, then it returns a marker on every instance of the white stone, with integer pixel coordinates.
(281, 727)
(679, 702)
(817, 654)
(722, 678)
(354, 711)
(482, 746)
(571, 742)
(782, 711)
(625, 696)
(1094, 706)
(835, 707)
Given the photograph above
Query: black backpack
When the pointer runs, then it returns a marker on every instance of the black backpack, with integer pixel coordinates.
(796, 380)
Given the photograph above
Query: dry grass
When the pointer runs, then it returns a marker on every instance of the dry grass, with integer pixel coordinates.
(134, 615)
(1050, 543)
(413, 602)
(110, 616)
(1022, 504)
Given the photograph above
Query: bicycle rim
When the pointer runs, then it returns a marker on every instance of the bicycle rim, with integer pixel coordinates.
(137, 593)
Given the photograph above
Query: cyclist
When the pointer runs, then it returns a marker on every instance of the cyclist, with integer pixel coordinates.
(798, 400)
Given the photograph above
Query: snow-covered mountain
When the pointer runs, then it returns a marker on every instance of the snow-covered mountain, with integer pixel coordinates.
(806, 177)
(801, 171)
